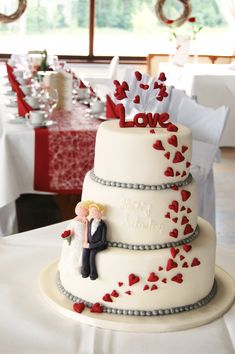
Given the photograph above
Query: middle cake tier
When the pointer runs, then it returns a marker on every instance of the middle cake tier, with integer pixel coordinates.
(145, 217)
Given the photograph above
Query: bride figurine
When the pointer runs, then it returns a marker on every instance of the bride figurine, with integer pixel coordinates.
(74, 236)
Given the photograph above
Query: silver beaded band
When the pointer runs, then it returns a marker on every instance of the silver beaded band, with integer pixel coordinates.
(125, 312)
(140, 186)
(155, 246)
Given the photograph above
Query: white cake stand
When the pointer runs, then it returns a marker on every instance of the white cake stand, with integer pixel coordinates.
(221, 302)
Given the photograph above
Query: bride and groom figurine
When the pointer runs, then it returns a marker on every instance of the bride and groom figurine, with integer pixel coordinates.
(89, 234)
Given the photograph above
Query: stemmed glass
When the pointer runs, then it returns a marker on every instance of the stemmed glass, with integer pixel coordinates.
(48, 100)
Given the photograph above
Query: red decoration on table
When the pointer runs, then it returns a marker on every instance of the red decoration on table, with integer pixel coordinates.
(107, 298)
(185, 195)
(158, 145)
(188, 229)
(173, 140)
(79, 307)
(174, 206)
(97, 308)
(23, 106)
(133, 279)
(171, 265)
(153, 277)
(178, 278)
(169, 172)
(178, 157)
(174, 233)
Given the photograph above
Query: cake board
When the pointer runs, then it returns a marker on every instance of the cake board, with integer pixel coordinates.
(221, 302)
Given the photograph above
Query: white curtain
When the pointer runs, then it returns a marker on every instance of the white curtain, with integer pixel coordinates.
(228, 9)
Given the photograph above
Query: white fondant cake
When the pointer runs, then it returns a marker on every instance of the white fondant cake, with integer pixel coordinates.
(158, 261)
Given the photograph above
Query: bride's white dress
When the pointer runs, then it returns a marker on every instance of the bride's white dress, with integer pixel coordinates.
(71, 253)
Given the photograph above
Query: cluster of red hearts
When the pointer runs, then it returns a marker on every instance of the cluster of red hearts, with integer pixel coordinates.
(154, 279)
(175, 158)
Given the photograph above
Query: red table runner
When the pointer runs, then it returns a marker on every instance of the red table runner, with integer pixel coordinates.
(64, 152)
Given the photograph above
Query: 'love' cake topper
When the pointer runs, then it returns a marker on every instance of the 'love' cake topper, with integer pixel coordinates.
(144, 118)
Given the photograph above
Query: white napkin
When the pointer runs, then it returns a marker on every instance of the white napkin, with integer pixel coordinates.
(148, 102)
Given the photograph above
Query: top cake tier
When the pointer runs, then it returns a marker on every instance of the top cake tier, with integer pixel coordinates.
(142, 155)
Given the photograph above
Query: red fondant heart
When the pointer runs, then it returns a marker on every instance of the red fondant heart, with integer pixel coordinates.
(188, 229)
(178, 157)
(172, 128)
(107, 298)
(128, 292)
(177, 173)
(159, 98)
(158, 145)
(152, 131)
(195, 262)
(164, 280)
(97, 308)
(136, 99)
(162, 77)
(169, 172)
(185, 265)
(184, 148)
(160, 268)
(153, 277)
(183, 208)
(174, 251)
(174, 233)
(184, 220)
(178, 278)
(187, 247)
(133, 279)
(171, 264)
(167, 215)
(125, 86)
(183, 174)
(79, 307)
(167, 155)
(144, 87)
(175, 188)
(146, 287)
(182, 257)
(120, 283)
(173, 140)
(189, 210)
(114, 293)
(138, 76)
(175, 220)
(185, 195)
(174, 206)
(156, 85)
(188, 164)
(154, 287)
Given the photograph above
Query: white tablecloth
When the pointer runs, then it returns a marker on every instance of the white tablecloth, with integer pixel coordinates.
(28, 325)
(213, 85)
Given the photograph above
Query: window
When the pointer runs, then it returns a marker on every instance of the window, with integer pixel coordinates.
(124, 27)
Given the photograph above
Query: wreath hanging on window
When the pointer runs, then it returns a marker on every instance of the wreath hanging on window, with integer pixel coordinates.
(13, 17)
(180, 20)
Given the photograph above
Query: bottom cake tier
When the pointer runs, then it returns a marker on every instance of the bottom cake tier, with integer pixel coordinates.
(145, 280)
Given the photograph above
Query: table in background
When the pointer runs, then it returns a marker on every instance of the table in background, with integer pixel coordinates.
(211, 85)
(28, 324)
(17, 157)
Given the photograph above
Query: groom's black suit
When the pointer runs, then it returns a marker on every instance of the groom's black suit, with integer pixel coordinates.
(97, 242)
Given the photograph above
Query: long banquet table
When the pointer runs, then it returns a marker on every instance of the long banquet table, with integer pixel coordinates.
(29, 325)
(212, 85)
(17, 156)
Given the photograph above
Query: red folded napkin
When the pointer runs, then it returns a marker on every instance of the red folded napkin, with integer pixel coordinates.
(111, 108)
(23, 106)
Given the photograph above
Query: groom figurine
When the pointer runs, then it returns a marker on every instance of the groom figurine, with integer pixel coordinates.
(95, 240)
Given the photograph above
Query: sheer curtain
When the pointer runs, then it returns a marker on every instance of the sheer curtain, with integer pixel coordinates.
(228, 9)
